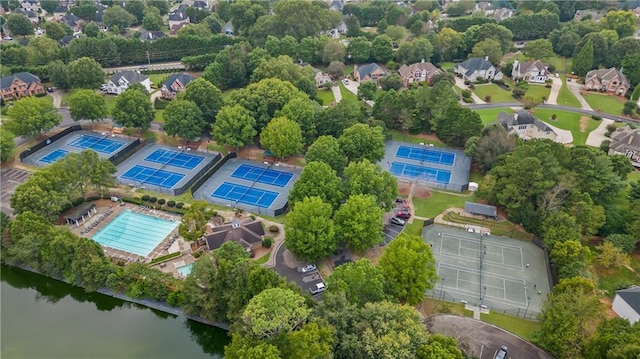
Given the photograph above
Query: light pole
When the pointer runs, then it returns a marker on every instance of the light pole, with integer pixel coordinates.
(483, 295)
(525, 311)
(442, 288)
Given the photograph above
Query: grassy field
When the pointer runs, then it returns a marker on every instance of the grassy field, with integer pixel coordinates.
(406, 137)
(605, 103)
(348, 70)
(447, 65)
(504, 228)
(414, 228)
(562, 64)
(346, 94)
(491, 114)
(634, 176)
(565, 97)
(326, 96)
(568, 121)
(158, 116)
(158, 79)
(520, 327)
(538, 92)
(496, 92)
(609, 280)
(438, 202)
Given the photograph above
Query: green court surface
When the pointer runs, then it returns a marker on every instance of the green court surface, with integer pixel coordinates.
(504, 274)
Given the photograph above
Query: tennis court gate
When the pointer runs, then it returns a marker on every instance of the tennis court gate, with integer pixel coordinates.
(24, 155)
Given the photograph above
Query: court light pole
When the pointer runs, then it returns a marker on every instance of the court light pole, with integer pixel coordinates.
(442, 288)
(484, 293)
(525, 311)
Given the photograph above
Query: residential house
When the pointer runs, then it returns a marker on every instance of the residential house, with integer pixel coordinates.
(72, 21)
(368, 72)
(178, 19)
(66, 40)
(19, 85)
(477, 68)
(335, 33)
(533, 71)
(594, 15)
(321, 77)
(247, 232)
(151, 35)
(120, 81)
(626, 141)
(201, 4)
(228, 29)
(636, 11)
(626, 304)
(174, 84)
(336, 5)
(418, 72)
(484, 7)
(502, 14)
(59, 12)
(31, 15)
(607, 80)
(30, 5)
(526, 126)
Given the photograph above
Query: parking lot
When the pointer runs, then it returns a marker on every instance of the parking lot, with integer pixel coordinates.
(390, 230)
(10, 178)
(288, 266)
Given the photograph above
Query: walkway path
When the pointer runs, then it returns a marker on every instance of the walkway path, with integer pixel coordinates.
(337, 95)
(575, 90)
(564, 136)
(597, 136)
(460, 84)
(556, 85)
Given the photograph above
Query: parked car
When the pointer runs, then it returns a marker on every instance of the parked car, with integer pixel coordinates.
(397, 221)
(8, 38)
(49, 89)
(346, 82)
(501, 354)
(309, 268)
(400, 200)
(103, 87)
(319, 288)
(403, 214)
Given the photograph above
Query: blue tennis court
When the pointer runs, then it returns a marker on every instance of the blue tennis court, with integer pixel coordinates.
(262, 175)
(425, 155)
(174, 158)
(153, 176)
(54, 156)
(98, 144)
(246, 195)
(428, 173)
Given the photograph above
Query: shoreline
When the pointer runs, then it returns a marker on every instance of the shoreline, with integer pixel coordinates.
(151, 304)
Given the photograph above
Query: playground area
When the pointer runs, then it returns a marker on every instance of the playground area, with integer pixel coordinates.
(499, 273)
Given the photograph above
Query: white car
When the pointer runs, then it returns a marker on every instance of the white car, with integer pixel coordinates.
(8, 38)
(309, 268)
(501, 354)
(346, 82)
(319, 288)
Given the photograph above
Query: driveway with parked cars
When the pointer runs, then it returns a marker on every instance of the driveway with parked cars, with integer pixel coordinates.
(304, 274)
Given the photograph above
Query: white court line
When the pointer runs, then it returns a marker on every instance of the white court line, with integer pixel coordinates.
(504, 280)
(476, 259)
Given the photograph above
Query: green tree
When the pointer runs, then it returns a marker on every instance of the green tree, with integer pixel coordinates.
(310, 233)
(312, 341)
(615, 338)
(333, 50)
(335, 69)
(40, 196)
(567, 252)
(49, 5)
(359, 49)
(634, 191)
(87, 105)
(234, 126)
(282, 137)
(477, 33)
(86, 73)
(152, 20)
(560, 227)
(359, 222)
(367, 90)
(304, 113)
(117, 17)
(458, 125)
(245, 347)
(133, 109)
(32, 116)
(631, 64)
(6, 145)
(495, 141)
(610, 256)
(361, 281)
(353, 26)
(56, 31)
(409, 269)
(415, 51)
(365, 177)
(362, 141)
(327, 149)
(583, 62)
(391, 82)
(162, 5)
(92, 29)
(58, 74)
(41, 50)
(623, 22)
(206, 96)
(135, 8)
(194, 222)
(285, 69)
(317, 179)
(19, 25)
(274, 312)
(333, 120)
(621, 165)
(303, 18)
(625, 242)
(396, 33)
(490, 48)
(538, 49)
(448, 43)
(382, 48)
(440, 347)
(183, 118)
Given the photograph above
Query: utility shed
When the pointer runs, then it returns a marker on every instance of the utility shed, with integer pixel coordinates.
(627, 304)
(481, 209)
(81, 213)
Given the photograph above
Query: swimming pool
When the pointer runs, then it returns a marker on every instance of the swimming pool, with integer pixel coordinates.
(135, 232)
(185, 269)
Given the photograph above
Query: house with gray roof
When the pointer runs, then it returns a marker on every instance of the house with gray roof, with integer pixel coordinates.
(526, 126)
(178, 19)
(533, 71)
(228, 29)
(477, 68)
(151, 35)
(321, 77)
(174, 84)
(626, 304)
(625, 141)
(248, 233)
(607, 80)
(31, 15)
(30, 5)
(368, 72)
(502, 14)
(59, 12)
(19, 85)
(120, 81)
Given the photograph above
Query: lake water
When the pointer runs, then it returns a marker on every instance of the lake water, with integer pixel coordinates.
(44, 318)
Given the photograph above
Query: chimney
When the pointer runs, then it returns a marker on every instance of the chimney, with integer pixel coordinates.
(422, 61)
(486, 58)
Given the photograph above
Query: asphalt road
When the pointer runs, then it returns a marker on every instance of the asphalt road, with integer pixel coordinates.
(176, 65)
(10, 178)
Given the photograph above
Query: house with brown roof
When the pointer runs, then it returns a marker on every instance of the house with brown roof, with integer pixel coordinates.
(626, 141)
(368, 72)
(174, 84)
(20, 85)
(533, 71)
(418, 72)
(607, 80)
(247, 232)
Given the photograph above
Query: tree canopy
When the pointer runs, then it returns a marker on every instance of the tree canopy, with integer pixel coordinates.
(87, 105)
(183, 118)
(359, 222)
(362, 141)
(234, 126)
(32, 116)
(309, 232)
(282, 137)
(133, 109)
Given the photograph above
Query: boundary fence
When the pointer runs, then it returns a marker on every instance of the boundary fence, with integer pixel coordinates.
(47, 141)
(442, 295)
(211, 170)
(126, 152)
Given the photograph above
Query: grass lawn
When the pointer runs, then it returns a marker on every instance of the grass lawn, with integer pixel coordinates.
(568, 121)
(503, 228)
(158, 116)
(609, 280)
(491, 114)
(447, 65)
(496, 92)
(605, 103)
(158, 79)
(538, 91)
(562, 64)
(406, 137)
(414, 228)
(346, 94)
(326, 96)
(565, 97)
(515, 325)
(264, 258)
(438, 202)
(633, 176)
(348, 70)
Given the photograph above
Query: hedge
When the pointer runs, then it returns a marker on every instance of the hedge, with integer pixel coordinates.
(146, 197)
(171, 203)
(165, 257)
(161, 201)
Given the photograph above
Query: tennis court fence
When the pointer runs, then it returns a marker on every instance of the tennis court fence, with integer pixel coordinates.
(44, 143)
(456, 187)
(444, 296)
(210, 171)
(127, 152)
(199, 175)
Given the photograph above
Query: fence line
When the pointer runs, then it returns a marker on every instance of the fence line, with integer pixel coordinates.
(47, 141)
(442, 295)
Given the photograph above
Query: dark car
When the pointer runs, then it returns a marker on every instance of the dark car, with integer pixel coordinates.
(400, 200)
(403, 214)
(397, 221)
(49, 89)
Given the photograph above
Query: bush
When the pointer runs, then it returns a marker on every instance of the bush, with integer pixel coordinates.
(597, 118)
(518, 93)
(274, 229)
(487, 98)
(253, 218)
(161, 201)
(554, 117)
(466, 93)
(160, 104)
(134, 200)
(179, 205)
(145, 197)
(153, 199)
(197, 254)
(171, 203)
(267, 242)
(467, 100)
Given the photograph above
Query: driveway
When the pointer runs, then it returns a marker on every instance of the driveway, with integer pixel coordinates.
(556, 85)
(597, 136)
(337, 95)
(460, 84)
(288, 266)
(575, 90)
(353, 86)
(564, 136)
(10, 178)
(482, 340)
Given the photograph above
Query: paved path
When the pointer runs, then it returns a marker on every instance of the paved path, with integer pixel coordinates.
(337, 95)
(575, 90)
(597, 136)
(57, 98)
(564, 136)
(476, 99)
(556, 85)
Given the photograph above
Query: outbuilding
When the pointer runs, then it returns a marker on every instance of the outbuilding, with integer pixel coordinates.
(81, 213)
(481, 209)
(627, 304)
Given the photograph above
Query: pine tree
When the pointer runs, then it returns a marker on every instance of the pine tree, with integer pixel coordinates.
(584, 60)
